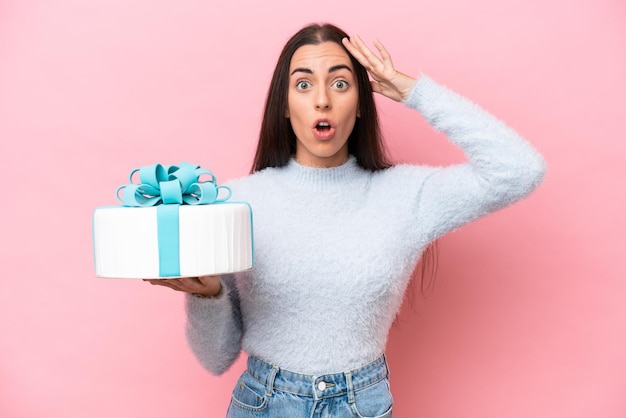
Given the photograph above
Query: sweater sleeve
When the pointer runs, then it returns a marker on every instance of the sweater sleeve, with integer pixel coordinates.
(214, 327)
(502, 166)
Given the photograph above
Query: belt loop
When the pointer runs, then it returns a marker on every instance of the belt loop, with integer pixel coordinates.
(270, 381)
(349, 387)
(386, 364)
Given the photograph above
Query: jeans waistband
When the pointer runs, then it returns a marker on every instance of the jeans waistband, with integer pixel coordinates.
(318, 387)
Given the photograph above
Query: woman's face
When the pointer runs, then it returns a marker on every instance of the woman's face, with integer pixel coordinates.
(322, 103)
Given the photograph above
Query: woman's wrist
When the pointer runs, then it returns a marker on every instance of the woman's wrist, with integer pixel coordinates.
(204, 295)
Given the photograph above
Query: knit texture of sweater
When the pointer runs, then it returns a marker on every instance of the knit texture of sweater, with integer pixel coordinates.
(335, 247)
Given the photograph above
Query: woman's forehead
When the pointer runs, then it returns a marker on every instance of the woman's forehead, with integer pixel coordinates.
(320, 57)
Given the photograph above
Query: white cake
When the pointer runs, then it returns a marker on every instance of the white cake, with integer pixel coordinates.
(212, 239)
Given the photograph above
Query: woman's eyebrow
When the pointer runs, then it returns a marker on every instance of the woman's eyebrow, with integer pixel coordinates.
(330, 70)
(302, 70)
(339, 67)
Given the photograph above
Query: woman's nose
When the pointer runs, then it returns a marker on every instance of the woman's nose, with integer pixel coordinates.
(322, 101)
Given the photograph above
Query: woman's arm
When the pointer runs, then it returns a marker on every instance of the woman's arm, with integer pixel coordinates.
(502, 168)
(213, 319)
(214, 327)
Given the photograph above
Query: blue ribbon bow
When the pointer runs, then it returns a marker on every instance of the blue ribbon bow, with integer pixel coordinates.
(167, 187)
(171, 185)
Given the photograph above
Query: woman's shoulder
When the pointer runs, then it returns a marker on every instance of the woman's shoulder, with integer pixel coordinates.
(242, 187)
(253, 178)
(401, 171)
(402, 180)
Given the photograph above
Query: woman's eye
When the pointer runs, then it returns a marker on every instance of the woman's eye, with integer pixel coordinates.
(341, 84)
(303, 85)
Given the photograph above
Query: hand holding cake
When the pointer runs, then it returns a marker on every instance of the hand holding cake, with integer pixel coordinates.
(203, 286)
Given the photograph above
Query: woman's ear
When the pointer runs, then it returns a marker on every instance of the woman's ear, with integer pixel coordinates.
(287, 113)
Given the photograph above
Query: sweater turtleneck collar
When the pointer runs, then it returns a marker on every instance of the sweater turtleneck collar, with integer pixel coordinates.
(322, 177)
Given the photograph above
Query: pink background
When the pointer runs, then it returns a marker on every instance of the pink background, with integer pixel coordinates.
(528, 316)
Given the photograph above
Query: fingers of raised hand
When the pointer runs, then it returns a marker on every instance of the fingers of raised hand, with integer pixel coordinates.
(355, 49)
(384, 54)
(377, 66)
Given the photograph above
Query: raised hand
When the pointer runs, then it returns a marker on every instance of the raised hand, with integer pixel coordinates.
(386, 79)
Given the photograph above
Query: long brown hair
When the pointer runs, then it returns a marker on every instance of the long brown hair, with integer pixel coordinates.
(277, 141)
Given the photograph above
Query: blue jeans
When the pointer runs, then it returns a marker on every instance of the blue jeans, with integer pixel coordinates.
(264, 390)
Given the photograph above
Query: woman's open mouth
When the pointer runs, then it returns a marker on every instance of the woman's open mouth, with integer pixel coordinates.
(323, 129)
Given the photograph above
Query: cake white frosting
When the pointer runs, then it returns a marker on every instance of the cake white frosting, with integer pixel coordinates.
(213, 239)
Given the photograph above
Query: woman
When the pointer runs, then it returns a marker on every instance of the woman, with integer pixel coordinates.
(338, 230)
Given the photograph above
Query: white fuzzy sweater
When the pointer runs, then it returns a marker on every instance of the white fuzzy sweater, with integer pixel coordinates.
(335, 247)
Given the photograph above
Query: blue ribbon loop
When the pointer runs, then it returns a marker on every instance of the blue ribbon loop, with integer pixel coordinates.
(170, 186)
